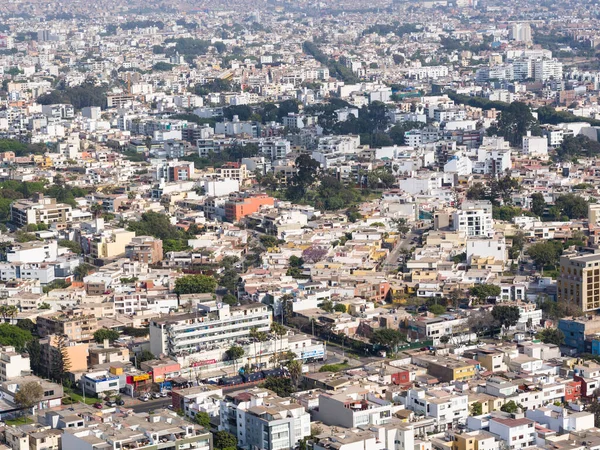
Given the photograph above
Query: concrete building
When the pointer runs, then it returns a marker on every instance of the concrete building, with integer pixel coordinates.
(77, 327)
(474, 219)
(163, 431)
(214, 325)
(520, 32)
(517, 433)
(260, 419)
(535, 146)
(13, 364)
(353, 406)
(40, 210)
(145, 249)
(560, 419)
(579, 280)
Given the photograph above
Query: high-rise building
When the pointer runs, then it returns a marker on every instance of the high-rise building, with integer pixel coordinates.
(578, 281)
(521, 32)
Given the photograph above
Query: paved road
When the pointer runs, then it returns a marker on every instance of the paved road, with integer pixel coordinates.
(150, 405)
(391, 263)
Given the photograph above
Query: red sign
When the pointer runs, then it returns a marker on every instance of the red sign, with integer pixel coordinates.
(203, 363)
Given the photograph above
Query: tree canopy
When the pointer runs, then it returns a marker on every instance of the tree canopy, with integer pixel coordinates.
(195, 284)
(105, 333)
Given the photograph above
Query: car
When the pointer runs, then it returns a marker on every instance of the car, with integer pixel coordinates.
(98, 405)
(163, 394)
(170, 407)
(111, 403)
(144, 398)
(120, 403)
(155, 395)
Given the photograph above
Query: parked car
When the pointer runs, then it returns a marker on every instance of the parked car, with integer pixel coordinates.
(155, 395)
(120, 403)
(111, 403)
(163, 394)
(144, 398)
(98, 405)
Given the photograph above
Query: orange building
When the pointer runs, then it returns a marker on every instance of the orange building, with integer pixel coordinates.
(241, 207)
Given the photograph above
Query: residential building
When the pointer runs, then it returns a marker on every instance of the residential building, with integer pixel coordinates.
(13, 364)
(353, 406)
(517, 433)
(145, 249)
(260, 419)
(77, 326)
(40, 210)
(578, 282)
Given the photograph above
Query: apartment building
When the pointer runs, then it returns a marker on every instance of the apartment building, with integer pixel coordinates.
(578, 281)
(261, 419)
(475, 440)
(238, 208)
(448, 409)
(40, 210)
(213, 326)
(353, 406)
(474, 219)
(145, 249)
(160, 431)
(234, 171)
(13, 364)
(517, 433)
(78, 327)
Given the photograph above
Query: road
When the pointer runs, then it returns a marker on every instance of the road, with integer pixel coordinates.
(150, 405)
(391, 263)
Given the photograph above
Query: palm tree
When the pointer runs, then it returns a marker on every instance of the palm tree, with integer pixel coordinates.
(8, 312)
(295, 369)
(262, 337)
(254, 335)
(279, 331)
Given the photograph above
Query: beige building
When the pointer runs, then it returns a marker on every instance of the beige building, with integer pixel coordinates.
(76, 353)
(110, 244)
(40, 210)
(77, 327)
(579, 281)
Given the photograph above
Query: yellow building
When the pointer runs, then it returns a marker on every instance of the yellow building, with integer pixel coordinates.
(473, 440)
(451, 369)
(109, 246)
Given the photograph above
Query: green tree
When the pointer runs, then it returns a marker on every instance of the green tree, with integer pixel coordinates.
(14, 336)
(437, 309)
(476, 409)
(388, 338)
(514, 123)
(202, 419)
(75, 247)
(545, 253)
(485, 291)
(295, 370)
(222, 440)
(234, 353)
(506, 316)
(538, 204)
(230, 300)
(34, 350)
(551, 336)
(195, 284)
(105, 333)
(29, 394)
(340, 307)
(283, 387)
(401, 225)
(82, 271)
(510, 407)
(572, 205)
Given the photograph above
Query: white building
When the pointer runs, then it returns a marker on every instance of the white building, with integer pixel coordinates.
(352, 407)
(492, 161)
(560, 419)
(13, 364)
(520, 32)
(535, 146)
(517, 433)
(546, 69)
(274, 149)
(446, 408)
(474, 219)
(459, 164)
(260, 419)
(486, 247)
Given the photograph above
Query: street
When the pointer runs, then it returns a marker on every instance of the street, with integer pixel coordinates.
(391, 262)
(150, 405)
